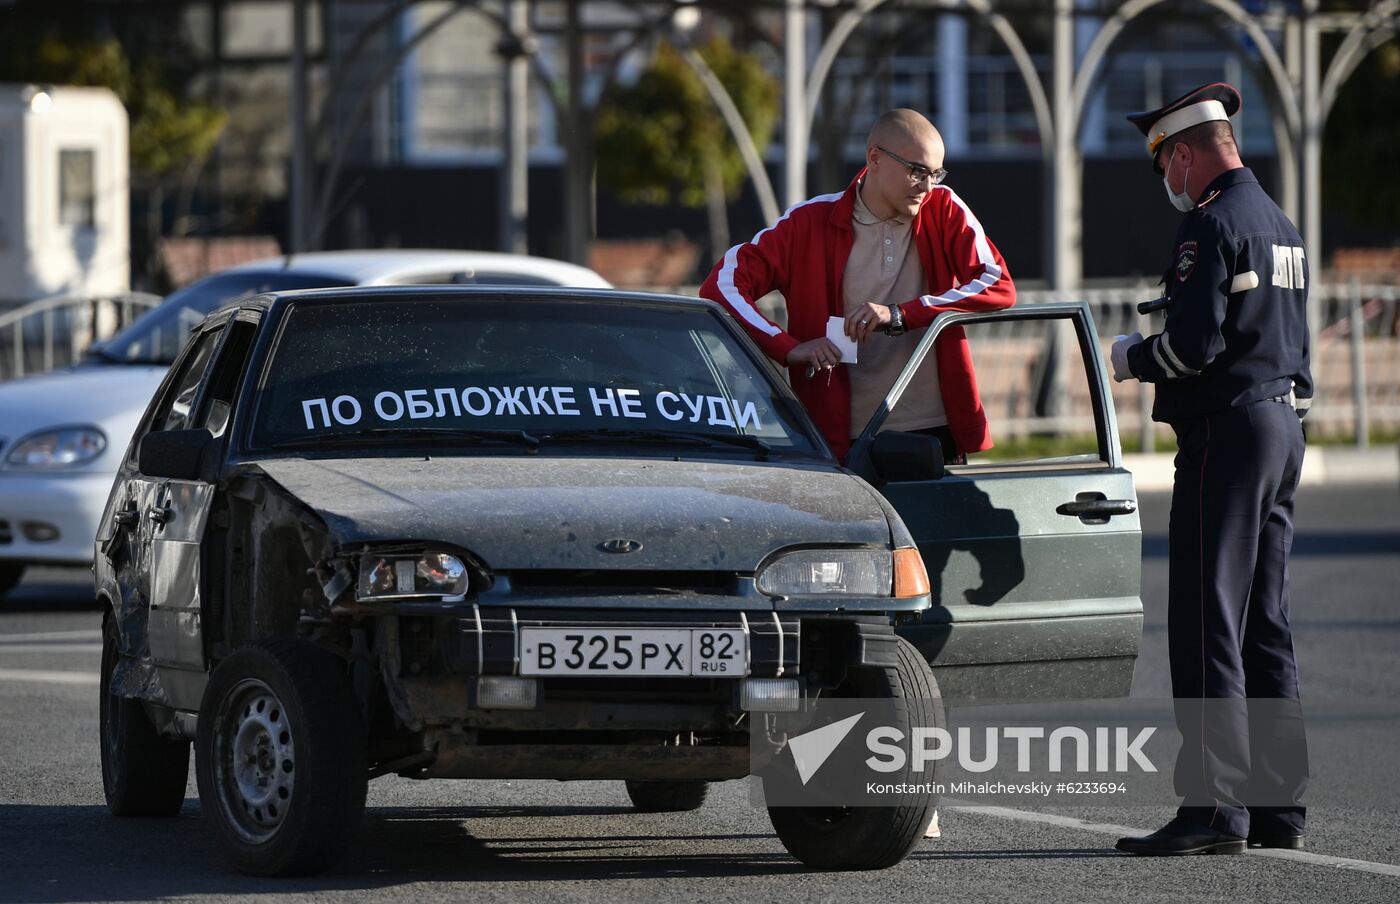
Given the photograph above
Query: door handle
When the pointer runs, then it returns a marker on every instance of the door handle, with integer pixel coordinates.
(160, 515)
(1097, 508)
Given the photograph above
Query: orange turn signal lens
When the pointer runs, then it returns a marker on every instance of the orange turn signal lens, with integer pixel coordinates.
(910, 576)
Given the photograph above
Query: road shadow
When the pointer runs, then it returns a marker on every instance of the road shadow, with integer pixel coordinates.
(81, 853)
(52, 590)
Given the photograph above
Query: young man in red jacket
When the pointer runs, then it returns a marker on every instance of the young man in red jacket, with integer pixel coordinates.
(888, 254)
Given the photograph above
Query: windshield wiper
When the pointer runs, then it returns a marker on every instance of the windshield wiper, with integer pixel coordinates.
(694, 437)
(432, 434)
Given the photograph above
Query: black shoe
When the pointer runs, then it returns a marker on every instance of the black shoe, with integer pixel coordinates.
(1285, 840)
(1181, 837)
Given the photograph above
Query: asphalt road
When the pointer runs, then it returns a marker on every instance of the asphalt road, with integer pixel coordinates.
(579, 842)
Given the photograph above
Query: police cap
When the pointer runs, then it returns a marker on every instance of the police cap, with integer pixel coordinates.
(1208, 103)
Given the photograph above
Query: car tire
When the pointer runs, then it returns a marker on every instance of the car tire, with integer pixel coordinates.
(143, 774)
(281, 759)
(10, 575)
(864, 838)
(667, 797)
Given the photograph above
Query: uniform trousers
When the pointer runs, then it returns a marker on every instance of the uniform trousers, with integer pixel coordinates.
(1243, 761)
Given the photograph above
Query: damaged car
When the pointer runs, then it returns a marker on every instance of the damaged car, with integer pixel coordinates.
(535, 533)
(473, 534)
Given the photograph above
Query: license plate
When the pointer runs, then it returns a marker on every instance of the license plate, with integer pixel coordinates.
(674, 653)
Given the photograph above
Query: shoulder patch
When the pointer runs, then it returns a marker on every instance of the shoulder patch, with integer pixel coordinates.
(1185, 261)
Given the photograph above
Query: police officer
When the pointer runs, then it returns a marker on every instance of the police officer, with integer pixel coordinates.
(1231, 370)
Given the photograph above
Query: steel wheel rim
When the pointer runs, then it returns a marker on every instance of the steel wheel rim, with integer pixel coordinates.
(255, 760)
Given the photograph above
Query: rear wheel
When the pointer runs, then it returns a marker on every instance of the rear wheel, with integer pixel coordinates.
(667, 797)
(143, 774)
(281, 758)
(10, 574)
(859, 838)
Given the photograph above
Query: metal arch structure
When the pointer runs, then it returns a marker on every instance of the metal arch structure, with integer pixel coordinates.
(1113, 28)
(310, 217)
(841, 32)
(753, 160)
(1303, 97)
(1287, 128)
(316, 226)
(850, 20)
(1376, 26)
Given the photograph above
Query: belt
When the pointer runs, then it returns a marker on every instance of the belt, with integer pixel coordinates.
(1281, 399)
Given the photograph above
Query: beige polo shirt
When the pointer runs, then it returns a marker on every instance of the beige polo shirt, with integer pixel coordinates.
(884, 268)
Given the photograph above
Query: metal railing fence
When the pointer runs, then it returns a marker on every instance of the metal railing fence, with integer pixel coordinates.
(1355, 365)
(56, 331)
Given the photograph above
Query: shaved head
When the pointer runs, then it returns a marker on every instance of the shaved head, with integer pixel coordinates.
(902, 127)
(902, 144)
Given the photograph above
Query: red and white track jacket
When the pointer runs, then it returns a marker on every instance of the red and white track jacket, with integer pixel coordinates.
(803, 255)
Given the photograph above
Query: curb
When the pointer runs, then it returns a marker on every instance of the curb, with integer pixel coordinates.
(1322, 466)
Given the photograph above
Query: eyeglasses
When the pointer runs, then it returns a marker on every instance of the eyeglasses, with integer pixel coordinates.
(917, 171)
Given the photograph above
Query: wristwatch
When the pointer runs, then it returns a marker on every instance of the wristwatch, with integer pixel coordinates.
(896, 326)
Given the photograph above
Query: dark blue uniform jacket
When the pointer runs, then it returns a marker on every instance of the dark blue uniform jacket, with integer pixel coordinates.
(1220, 349)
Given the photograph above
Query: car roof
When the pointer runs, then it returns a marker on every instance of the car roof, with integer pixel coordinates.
(376, 266)
(543, 293)
(534, 293)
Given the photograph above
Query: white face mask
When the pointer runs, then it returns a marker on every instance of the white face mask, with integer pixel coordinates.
(1181, 200)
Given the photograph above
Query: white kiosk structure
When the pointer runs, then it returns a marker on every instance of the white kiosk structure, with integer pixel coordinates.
(64, 210)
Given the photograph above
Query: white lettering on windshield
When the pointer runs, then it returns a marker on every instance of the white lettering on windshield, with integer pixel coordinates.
(609, 403)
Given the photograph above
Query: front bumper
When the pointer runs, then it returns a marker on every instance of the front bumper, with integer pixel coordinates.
(602, 727)
(70, 504)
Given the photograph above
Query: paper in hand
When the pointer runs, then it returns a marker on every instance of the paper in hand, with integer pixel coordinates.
(836, 332)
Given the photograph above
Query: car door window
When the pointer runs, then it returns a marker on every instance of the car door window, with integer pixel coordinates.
(1039, 390)
(1040, 380)
(174, 410)
(224, 377)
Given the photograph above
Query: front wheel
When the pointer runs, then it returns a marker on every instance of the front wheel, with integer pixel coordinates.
(861, 838)
(143, 774)
(667, 797)
(281, 759)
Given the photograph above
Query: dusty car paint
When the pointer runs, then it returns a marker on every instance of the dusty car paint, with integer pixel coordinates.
(548, 512)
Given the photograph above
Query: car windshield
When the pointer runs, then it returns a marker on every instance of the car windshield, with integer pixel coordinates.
(522, 374)
(157, 336)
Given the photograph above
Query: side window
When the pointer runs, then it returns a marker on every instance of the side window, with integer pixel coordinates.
(174, 410)
(1042, 394)
(217, 406)
(77, 188)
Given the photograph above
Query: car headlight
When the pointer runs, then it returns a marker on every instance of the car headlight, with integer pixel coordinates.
(429, 574)
(62, 448)
(828, 572)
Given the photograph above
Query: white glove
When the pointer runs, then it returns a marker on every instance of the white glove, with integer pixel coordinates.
(1119, 355)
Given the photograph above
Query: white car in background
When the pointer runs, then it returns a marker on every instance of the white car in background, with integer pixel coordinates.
(62, 433)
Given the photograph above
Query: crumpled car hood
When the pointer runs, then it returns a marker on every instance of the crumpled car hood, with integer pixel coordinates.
(540, 512)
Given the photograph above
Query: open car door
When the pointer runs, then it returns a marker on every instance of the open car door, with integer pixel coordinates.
(1034, 557)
